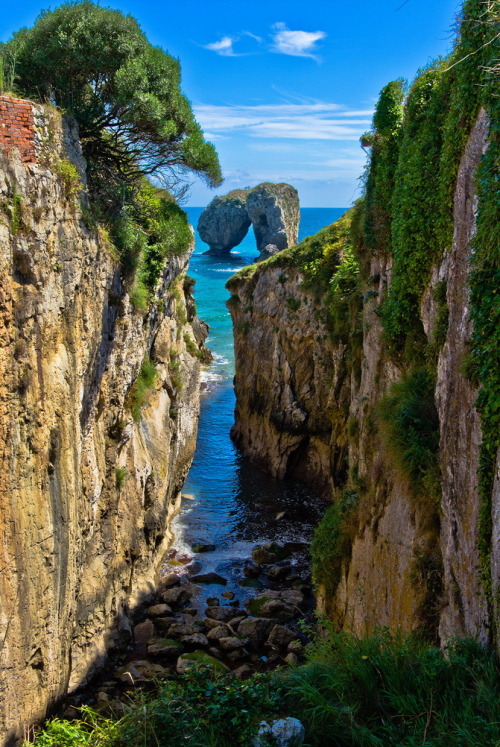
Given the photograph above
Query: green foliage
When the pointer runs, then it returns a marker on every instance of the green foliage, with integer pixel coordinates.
(96, 64)
(384, 142)
(332, 541)
(410, 426)
(175, 368)
(120, 476)
(70, 177)
(378, 691)
(192, 347)
(141, 387)
(293, 303)
(16, 222)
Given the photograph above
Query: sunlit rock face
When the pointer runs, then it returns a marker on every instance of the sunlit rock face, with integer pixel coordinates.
(304, 410)
(87, 492)
(224, 223)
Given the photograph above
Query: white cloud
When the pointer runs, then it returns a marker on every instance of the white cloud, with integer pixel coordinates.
(303, 121)
(295, 43)
(224, 47)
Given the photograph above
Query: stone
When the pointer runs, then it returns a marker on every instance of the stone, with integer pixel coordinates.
(179, 629)
(199, 657)
(296, 647)
(203, 548)
(176, 597)
(236, 654)
(163, 624)
(269, 553)
(224, 223)
(281, 605)
(283, 732)
(292, 659)
(139, 671)
(164, 647)
(255, 629)
(223, 614)
(280, 636)
(209, 578)
(275, 214)
(228, 595)
(143, 631)
(252, 570)
(171, 579)
(198, 640)
(231, 643)
(221, 631)
(213, 602)
(159, 610)
(244, 672)
(277, 572)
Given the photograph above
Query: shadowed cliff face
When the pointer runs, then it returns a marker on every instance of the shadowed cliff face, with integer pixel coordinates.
(303, 410)
(87, 492)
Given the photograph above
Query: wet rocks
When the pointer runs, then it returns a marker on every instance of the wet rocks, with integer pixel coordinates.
(176, 596)
(209, 578)
(164, 647)
(255, 629)
(269, 553)
(281, 636)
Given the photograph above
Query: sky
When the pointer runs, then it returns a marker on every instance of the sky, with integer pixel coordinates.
(285, 88)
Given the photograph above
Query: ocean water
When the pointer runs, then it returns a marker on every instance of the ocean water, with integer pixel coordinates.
(232, 504)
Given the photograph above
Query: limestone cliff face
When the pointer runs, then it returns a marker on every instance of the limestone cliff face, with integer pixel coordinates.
(272, 209)
(301, 410)
(87, 492)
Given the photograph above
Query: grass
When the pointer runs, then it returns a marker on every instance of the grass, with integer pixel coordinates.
(379, 691)
(140, 389)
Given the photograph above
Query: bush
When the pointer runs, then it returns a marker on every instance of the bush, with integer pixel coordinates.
(332, 541)
(144, 383)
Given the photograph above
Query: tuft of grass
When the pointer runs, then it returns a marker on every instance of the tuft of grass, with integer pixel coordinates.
(410, 428)
(141, 387)
(121, 475)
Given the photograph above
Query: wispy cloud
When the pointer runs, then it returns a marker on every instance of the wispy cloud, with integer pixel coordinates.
(295, 43)
(307, 121)
(224, 46)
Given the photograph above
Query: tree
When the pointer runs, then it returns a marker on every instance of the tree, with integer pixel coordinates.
(97, 65)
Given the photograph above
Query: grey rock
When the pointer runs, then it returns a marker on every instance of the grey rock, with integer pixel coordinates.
(284, 732)
(231, 643)
(243, 672)
(176, 596)
(224, 223)
(179, 629)
(159, 610)
(292, 659)
(223, 614)
(255, 629)
(143, 631)
(171, 579)
(199, 640)
(228, 594)
(213, 602)
(281, 636)
(139, 671)
(209, 578)
(275, 213)
(221, 631)
(164, 647)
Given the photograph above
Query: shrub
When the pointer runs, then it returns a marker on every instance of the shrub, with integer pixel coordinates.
(332, 541)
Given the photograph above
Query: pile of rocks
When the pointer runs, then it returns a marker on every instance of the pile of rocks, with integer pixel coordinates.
(173, 635)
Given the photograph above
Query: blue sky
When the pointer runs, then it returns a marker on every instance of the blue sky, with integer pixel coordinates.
(284, 88)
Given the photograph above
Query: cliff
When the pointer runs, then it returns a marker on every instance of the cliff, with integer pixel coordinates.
(98, 416)
(378, 388)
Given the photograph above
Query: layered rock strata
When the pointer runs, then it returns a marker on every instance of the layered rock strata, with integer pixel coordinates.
(302, 411)
(87, 491)
(272, 209)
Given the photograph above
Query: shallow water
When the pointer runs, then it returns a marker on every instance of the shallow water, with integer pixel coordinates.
(233, 505)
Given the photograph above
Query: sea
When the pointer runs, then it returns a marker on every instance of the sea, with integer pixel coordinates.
(227, 501)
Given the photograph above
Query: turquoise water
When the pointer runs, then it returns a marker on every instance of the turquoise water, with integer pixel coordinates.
(233, 505)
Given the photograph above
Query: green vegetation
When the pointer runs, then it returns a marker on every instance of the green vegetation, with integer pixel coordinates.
(120, 476)
(134, 124)
(140, 389)
(410, 426)
(175, 369)
(332, 541)
(16, 221)
(383, 690)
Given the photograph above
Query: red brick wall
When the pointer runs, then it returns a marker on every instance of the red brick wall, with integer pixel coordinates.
(17, 127)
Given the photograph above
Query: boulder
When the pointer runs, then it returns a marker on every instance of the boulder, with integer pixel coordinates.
(224, 223)
(139, 671)
(281, 636)
(171, 579)
(199, 657)
(164, 647)
(269, 553)
(255, 629)
(159, 610)
(221, 631)
(284, 732)
(198, 640)
(209, 578)
(222, 614)
(176, 596)
(231, 643)
(274, 211)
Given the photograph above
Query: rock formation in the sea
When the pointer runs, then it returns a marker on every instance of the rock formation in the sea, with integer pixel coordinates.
(272, 209)
(224, 223)
(275, 214)
(98, 417)
(366, 368)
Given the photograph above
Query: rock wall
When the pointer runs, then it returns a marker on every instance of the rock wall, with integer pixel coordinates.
(87, 492)
(301, 410)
